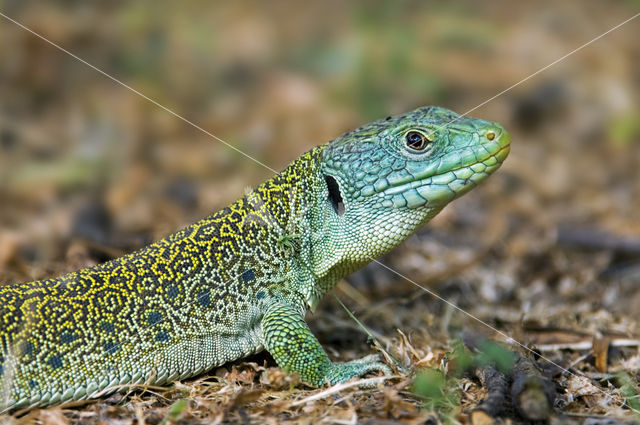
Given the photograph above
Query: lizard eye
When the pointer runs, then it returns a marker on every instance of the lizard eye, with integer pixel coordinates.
(416, 141)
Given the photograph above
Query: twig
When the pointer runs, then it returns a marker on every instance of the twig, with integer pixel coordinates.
(587, 238)
(342, 386)
(532, 394)
(587, 345)
(496, 385)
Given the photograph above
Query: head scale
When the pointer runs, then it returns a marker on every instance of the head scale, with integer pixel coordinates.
(386, 179)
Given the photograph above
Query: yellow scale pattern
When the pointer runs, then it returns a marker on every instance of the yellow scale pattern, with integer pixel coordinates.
(241, 280)
(126, 321)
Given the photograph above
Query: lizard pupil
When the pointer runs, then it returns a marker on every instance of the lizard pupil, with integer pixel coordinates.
(416, 141)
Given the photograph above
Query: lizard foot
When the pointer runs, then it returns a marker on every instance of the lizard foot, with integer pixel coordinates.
(341, 372)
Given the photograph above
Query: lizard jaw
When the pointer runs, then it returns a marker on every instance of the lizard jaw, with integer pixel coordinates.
(439, 189)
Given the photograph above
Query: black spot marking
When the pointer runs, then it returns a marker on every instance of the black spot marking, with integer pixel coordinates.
(110, 347)
(173, 291)
(335, 197)
(260, 295)
(204, 233)
(27, 348)
(204, 299)
(248, 275)
(161, 269)
(154, 318)
(162, 336)
(166, 254)
(67, 337)
(55, 362)
(33, 384)
(107, 327)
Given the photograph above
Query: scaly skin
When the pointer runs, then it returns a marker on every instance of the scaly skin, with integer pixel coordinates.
(241, 280)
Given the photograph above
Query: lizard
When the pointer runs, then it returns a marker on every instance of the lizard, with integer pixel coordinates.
(241, 280)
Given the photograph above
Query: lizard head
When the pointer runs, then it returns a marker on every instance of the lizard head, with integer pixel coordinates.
(388, 178)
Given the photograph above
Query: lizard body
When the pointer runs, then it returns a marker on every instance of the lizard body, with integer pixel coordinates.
(240, 280)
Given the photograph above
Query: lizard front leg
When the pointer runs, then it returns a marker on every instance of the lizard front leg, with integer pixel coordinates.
(289, 340)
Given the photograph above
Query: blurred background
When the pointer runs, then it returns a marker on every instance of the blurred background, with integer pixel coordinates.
(89, 170)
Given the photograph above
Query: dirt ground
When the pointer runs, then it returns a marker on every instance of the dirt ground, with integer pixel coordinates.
(546, 252)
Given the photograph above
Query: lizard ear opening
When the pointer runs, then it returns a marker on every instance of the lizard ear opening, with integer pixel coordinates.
(334, 194)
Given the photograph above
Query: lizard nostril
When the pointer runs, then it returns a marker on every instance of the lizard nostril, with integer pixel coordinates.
(490, 135)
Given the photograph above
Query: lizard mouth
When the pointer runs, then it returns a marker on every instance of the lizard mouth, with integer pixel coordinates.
(439, 189)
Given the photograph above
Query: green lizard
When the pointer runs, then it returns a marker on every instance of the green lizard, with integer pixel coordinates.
(240, 280)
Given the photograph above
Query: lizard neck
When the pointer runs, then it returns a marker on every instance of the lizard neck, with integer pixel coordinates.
(309, 231)
(289, 204)
(288, 197)
(320, 243)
